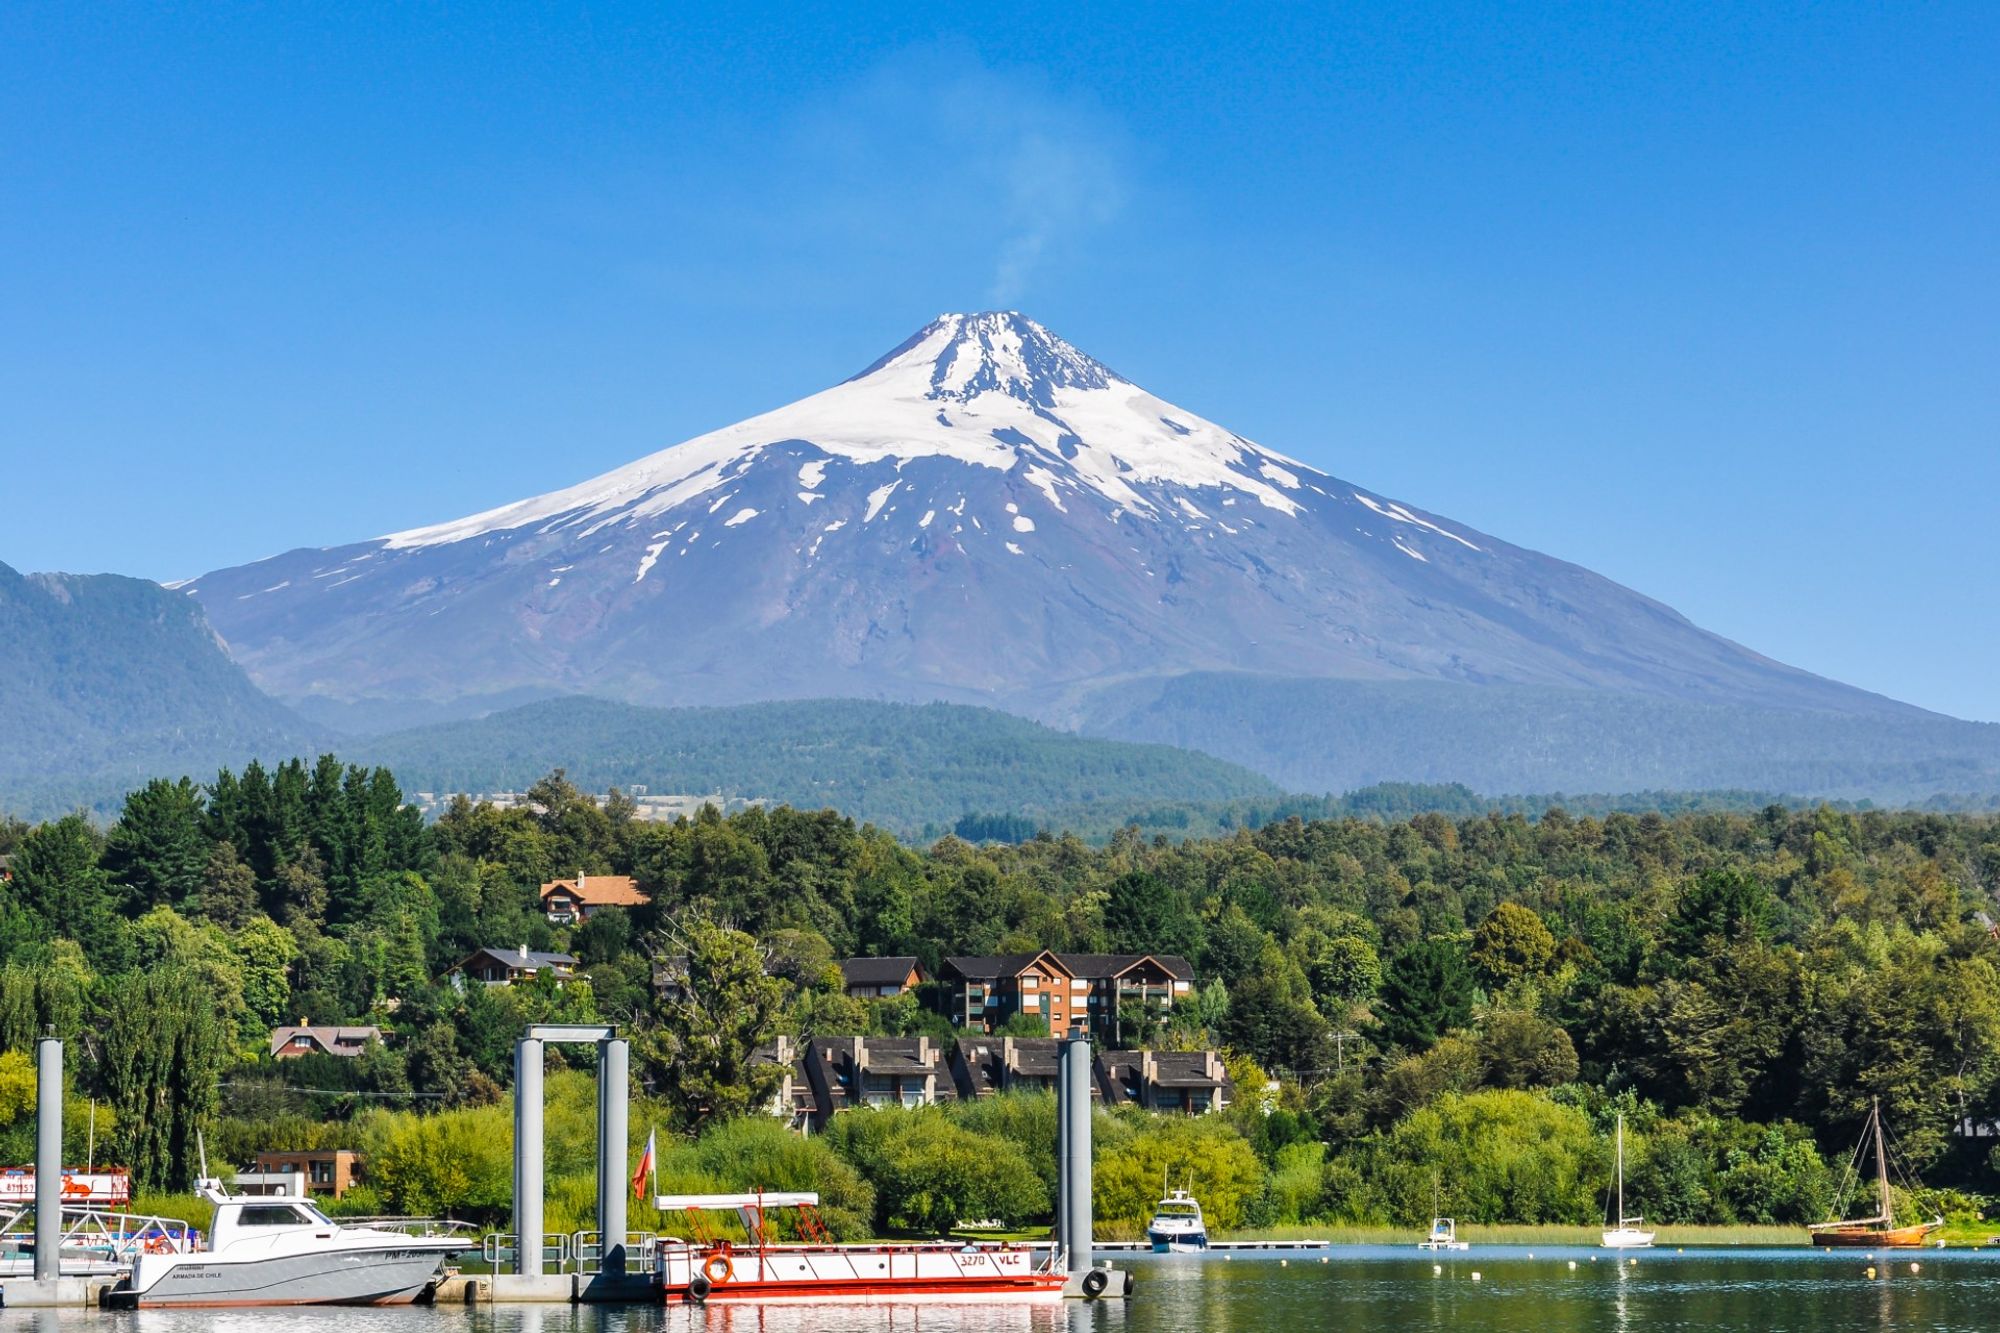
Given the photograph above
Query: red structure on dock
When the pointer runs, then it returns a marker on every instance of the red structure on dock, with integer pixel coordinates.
(706, 1267)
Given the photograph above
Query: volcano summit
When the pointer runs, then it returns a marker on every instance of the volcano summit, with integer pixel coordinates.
(984, 514)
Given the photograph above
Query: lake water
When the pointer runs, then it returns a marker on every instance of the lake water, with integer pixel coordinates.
(1358, 1288)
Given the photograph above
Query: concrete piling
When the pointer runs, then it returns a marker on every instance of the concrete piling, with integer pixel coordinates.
(613, 1082)
(48, 1159)
(528, 1158)
(1074, 1110)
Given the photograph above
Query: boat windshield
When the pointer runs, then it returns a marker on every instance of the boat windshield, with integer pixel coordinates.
(279, 1215)
(1178, 1208)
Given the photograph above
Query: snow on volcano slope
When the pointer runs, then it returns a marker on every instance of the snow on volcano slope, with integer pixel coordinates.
(986, 513)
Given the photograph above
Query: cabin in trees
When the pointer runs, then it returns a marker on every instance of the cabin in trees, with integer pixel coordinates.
(846, 1072)
(325, 1170)
(1189, 1082)
(289, 1043)
(504, 967)
(1102, 993)
(880, 978)
(573, 901)
(828, 1075)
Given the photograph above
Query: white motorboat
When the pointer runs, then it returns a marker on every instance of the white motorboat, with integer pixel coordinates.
(282, 1250)
(1177, 1226)
(1626, 1235)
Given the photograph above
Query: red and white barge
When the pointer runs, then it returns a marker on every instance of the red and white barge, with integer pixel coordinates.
(706, 1267)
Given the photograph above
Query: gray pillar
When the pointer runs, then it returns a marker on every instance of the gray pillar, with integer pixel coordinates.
(48, 1159)
(1075, 1114)
(528, 1158)
(613, 1141)
(1063, 1099)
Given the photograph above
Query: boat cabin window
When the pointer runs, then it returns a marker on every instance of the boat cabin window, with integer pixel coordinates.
(276, 1215)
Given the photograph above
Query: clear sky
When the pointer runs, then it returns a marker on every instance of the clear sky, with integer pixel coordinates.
(1703, 297)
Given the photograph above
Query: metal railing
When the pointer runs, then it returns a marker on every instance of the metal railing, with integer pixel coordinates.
(417, 1226)
(498, 1250)
(94, 1240)
(587, 1248)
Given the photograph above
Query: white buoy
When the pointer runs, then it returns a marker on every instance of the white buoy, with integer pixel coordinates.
(1871, 1270)
(1475, 1277)
(1572, 1265)
(1437, 1269)
(1284, 1263)
(1913, 1268)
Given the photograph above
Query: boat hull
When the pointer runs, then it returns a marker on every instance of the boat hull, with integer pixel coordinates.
(389, 1275)
(1627, 1240)
(822, 1293)
(782, 1274)
(1874, 1238)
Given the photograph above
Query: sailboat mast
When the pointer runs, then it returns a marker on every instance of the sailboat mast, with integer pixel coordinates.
(1881, 1164)
(1621, 1172)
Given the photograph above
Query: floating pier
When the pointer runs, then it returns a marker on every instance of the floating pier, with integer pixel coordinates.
(609, 1265)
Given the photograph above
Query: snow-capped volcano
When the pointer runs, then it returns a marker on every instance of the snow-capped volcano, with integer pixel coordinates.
(984, 513)
(994, 390)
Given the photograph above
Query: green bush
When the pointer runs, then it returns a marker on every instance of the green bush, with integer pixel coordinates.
(931, 1174)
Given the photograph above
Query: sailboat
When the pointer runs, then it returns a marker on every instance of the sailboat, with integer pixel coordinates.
(1879, 1231)
(1626, 1235)
(1444, 1230)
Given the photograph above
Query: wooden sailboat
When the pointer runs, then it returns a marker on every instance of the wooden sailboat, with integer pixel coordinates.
(1626, 1235)
(1879, 1231)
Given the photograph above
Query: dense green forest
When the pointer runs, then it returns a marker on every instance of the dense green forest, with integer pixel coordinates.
(1469, 1000)
(1336, 735)
(79, 722)
(910, 768)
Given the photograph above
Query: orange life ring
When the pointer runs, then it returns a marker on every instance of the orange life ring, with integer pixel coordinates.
(718, 1269)
(158, 1245)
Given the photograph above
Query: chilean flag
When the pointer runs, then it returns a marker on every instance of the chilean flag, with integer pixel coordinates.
(647, 1166)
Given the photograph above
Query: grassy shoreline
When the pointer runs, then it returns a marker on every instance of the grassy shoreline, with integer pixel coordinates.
(1957, 1236)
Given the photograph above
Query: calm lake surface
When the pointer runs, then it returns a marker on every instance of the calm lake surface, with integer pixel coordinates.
(1358, 1288)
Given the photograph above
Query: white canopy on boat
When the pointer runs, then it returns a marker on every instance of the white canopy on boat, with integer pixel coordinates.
(718, 1202)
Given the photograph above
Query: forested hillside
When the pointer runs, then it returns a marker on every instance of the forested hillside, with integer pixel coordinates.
(907, 767)
(105, 681)
(1741, 986)
(1337, 735)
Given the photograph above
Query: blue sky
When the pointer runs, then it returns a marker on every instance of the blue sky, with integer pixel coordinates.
(1706, 298)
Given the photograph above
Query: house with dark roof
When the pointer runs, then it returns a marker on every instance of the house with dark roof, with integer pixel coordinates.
(1099, 992)
(879, 978)
(983, 1066)
(849, 1072)
(1120, 987)
(572, 901)
(504, 967)
(984, 991)
(1188, 1082)
(828, 1075)
(792, 1100)
(303, 1038)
